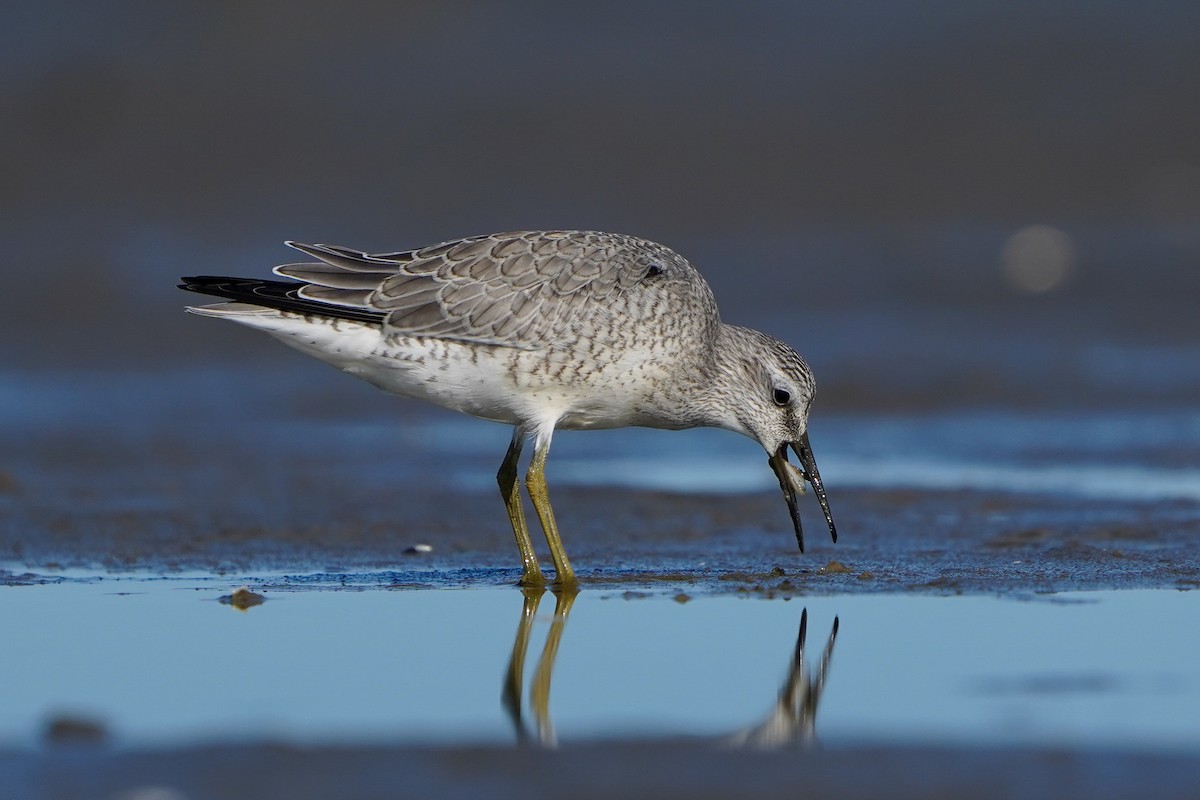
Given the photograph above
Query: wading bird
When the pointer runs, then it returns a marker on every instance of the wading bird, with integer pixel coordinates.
(541, 330)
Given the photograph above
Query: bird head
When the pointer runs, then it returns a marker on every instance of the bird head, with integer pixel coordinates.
(775, 391)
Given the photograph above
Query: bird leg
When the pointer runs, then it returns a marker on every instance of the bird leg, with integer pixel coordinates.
(535, 483)
(510, 490)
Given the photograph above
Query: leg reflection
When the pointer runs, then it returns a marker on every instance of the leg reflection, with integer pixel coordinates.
(514, 678)
(540, 687)
(792, 722)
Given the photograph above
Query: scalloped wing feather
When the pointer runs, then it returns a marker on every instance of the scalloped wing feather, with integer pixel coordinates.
(519, 289)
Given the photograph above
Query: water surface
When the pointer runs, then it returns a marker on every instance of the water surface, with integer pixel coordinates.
(162, 662)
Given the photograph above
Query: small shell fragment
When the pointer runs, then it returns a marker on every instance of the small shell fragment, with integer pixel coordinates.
(242, 598)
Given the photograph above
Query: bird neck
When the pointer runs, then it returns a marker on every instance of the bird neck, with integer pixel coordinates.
(723, 380)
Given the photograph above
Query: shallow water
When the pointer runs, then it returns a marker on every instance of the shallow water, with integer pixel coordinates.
(142, 419)
(162, 662)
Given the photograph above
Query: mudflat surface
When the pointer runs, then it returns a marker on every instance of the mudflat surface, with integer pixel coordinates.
(943, 541)
(671, 769)
(237, 473)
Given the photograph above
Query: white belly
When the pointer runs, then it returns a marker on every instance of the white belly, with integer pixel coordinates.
(494, 383)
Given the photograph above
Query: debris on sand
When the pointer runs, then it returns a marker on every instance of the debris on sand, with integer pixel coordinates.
(74, 730)
(242, 598)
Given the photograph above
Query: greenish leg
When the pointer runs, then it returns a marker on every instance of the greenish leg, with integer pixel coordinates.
(535, 482)
(510, 490)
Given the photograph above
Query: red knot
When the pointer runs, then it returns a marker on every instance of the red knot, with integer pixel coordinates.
(541, 330)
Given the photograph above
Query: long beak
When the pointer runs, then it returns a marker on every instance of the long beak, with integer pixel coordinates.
(791, 481)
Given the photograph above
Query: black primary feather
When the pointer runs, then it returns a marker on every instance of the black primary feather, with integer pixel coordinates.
(274, 294)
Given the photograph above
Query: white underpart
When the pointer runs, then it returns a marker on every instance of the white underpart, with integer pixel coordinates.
(474, 380)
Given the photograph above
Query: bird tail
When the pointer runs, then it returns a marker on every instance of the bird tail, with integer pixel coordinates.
(252, 295)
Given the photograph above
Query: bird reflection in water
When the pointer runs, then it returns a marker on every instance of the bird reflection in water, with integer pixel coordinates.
(790, 723)
(515, 677)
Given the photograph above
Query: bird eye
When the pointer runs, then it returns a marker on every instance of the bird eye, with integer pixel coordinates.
(781, 397)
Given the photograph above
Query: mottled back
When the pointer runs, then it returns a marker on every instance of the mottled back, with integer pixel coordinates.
(526, 289)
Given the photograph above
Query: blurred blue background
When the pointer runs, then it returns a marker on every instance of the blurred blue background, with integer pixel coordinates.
(936, 202)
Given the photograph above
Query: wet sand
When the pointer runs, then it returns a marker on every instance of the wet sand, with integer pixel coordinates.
(894, 540)
(663, 769)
